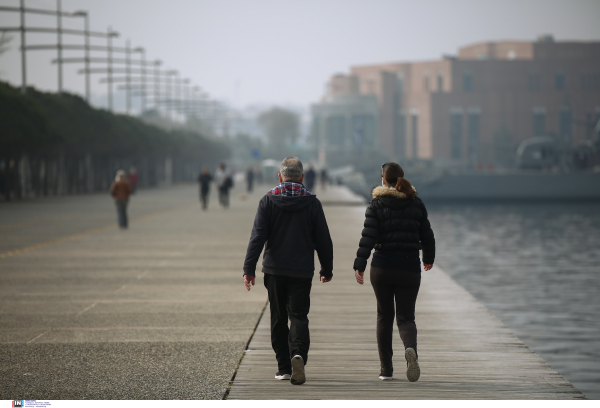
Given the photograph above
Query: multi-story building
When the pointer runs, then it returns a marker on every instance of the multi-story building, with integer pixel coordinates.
(473, 107)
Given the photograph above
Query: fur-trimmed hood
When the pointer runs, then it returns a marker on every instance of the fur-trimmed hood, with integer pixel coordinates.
(381, 191)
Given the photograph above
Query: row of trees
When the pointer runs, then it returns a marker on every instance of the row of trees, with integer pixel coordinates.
(65, 145)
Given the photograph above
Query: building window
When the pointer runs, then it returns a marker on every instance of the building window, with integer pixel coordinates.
(440, 82)
(467, 82)
(565, 125)
(560, 81)
(455, 135)
(336, 130)
(473, 130)
(539, 122)
(400, 83)
(533, 81)
(426, 83)
(590, 81)
(400, 135)
(415, 135)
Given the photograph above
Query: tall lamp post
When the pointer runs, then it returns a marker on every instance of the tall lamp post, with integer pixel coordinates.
(110, 34)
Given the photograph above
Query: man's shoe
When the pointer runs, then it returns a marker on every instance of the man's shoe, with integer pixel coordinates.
(283, 375)
(386, 374)
(413, 372)
(298, 376)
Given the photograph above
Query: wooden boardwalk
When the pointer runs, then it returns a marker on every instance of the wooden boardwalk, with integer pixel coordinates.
(465, 351)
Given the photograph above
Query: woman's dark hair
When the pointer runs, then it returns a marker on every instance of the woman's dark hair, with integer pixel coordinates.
(393, 175)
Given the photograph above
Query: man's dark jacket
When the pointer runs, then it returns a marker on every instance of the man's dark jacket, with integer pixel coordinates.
(293, 227)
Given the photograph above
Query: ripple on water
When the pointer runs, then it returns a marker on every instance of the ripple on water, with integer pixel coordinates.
(536, 266)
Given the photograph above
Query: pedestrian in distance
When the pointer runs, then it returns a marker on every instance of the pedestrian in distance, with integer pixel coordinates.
(121, 190)
(133, 178)
(249, 179)
(309, 179)
(396, 225)
(324, 178)
(204, 179)
(291, 222)
(224, 180)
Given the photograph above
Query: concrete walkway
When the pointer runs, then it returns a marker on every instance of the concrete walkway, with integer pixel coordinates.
(155, 312)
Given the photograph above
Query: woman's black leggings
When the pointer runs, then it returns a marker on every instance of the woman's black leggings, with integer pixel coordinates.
(403, 287)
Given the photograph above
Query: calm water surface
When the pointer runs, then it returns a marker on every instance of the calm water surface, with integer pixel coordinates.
(536, 267)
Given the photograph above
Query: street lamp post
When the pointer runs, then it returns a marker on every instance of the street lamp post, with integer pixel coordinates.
(86, 34)
(23, 57)
(142, 52)
(110, 35)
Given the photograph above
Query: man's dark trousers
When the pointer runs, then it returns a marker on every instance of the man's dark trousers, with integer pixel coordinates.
(289, 297)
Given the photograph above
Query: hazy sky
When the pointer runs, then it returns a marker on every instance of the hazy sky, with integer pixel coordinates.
(283, 51)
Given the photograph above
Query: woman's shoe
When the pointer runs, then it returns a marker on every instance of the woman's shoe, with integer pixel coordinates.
(413, 372)
(386, 374)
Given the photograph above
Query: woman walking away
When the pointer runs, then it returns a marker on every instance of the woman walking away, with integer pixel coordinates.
(204, 179)
(396, 225)
(121, 190)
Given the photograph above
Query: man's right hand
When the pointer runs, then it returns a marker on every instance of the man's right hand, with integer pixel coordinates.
(324, 279)
(249, 281)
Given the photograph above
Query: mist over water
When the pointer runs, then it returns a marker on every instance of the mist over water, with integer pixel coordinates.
(536, 267)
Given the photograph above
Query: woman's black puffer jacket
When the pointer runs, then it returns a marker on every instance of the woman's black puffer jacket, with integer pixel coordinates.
(395, 225)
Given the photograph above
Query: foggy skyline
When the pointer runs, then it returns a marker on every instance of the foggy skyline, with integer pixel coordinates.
(284, 52)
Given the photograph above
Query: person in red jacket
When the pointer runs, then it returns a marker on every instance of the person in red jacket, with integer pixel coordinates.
(121, 190)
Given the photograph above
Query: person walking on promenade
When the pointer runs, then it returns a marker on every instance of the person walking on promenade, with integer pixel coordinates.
(310, 178)
(133, 178)
(204, 179)
(396, 225)
(249, 179)
(121, 190)
(291, 221)
(224, 180)
(324, 178)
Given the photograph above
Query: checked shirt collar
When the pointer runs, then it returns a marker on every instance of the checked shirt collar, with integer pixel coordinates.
(290, 189)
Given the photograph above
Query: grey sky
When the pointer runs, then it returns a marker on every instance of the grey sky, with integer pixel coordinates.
(283, 51)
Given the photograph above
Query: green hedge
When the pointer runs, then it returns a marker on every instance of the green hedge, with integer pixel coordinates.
(42, 124)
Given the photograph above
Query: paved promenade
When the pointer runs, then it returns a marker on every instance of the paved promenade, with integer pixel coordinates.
(159, 312)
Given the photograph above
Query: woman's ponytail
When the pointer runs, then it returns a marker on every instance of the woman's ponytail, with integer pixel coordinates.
(404, 186)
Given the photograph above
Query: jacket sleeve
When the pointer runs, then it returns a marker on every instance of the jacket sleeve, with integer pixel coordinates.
(258, 237)
(370, 233)
(113, 188)
(323, 243)
(427, 238)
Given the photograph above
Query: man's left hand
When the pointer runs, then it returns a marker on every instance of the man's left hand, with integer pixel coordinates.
(324, 279)
(249, 280)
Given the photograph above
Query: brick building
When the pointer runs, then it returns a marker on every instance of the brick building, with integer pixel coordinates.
(473, 107)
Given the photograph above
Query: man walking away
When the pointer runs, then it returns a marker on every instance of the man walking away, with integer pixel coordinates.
(291, 221)
(121, 190)
(224, 180)
(204, 179)
(249, 178)
(310, 178)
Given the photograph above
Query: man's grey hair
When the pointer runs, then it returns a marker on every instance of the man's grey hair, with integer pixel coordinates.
(291, 168)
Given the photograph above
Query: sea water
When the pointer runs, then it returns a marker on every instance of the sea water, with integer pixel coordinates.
(536, 266)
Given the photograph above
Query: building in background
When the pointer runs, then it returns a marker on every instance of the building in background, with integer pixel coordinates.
(472, 108)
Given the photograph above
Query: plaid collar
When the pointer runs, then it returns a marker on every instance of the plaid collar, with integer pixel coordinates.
(290, 189)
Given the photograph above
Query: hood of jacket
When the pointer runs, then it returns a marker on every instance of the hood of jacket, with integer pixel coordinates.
(291, 196)
(382, 191)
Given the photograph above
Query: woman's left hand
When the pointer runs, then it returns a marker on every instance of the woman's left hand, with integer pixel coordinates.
(427, 266)
(359, 276)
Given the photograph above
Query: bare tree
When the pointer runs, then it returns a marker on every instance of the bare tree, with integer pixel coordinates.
(280, 125)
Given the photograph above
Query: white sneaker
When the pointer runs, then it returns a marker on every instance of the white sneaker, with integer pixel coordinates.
(281, 375)
(298, 376)
(413, 372)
